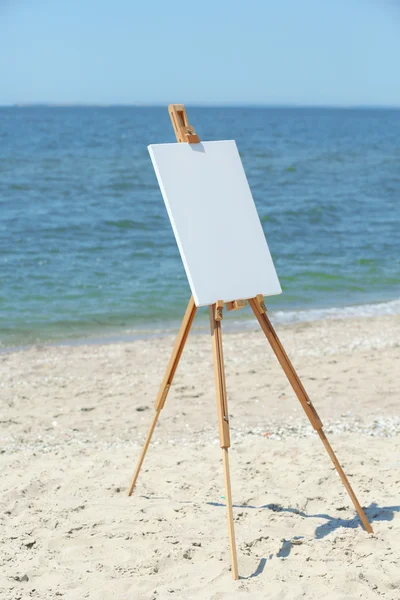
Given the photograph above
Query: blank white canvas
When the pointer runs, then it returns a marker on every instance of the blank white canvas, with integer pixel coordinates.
(215, 221)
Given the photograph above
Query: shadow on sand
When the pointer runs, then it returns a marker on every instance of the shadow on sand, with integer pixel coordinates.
(374, 513)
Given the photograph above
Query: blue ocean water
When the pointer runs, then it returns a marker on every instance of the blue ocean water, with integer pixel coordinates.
(86, 248)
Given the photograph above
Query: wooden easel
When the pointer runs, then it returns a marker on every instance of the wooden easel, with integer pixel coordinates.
(185, 133)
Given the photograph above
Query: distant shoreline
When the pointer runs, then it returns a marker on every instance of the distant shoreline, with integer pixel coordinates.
(238, 322)
(199, 105)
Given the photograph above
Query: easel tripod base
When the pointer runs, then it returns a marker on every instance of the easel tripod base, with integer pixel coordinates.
(258, 307)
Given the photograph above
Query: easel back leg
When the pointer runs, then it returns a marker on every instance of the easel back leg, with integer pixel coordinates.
(223, 423)
(229, 513)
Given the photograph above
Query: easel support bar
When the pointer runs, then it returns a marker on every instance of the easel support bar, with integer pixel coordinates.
(235, 305)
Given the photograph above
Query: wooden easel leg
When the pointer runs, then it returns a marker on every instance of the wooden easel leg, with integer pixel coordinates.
(166, 383)
(143, 452)
(259, 310)
(345, 481)
(223, 425)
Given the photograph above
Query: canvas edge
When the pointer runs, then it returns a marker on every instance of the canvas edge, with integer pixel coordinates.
(171, 219)
(209, 303)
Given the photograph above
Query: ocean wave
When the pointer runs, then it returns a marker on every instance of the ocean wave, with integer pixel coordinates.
(391, 307)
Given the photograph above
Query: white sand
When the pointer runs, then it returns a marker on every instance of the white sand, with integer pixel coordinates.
(73, 420)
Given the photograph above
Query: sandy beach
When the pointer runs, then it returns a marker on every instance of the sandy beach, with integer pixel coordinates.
(73, 420)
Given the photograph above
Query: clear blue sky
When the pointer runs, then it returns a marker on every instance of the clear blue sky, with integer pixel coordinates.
(313, 52)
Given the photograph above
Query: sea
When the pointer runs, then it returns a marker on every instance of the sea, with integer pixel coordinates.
(87, 252)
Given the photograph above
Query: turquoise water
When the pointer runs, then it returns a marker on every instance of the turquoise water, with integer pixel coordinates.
(86, 248)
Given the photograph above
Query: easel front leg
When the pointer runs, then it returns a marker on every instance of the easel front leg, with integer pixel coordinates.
(258, 307)
(166, 384)
(345, 481)
(223, 421)
(143, 452)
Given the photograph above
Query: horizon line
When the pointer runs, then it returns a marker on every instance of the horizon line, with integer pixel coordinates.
(197, 105)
